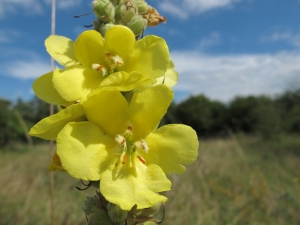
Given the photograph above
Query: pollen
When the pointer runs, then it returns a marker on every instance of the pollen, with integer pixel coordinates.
(142, 145)
(99, 67)
(120, 140)
(128, 131)
(118, 61)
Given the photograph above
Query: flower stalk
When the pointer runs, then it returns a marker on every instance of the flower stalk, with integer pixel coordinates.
(112, 94)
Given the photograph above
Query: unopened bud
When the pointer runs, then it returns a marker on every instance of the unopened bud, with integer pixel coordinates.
(119, 12)
(115, 2)
(104, 10)
(149, 223)
(142, 6)
(97, 24)
(116, 214)
(87, 205)
(129, 14)
(105, 28)
(137, 25)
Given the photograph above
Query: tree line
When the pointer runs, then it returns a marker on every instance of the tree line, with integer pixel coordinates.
(258, 115)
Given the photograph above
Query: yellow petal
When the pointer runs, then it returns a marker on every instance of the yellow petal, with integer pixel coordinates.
(147, 107)
(119, 40)
(127, 186)
(108, 109)
(85, 151)
(75, 82)
(170, 78)
(61, 49)
(89, 48)
(44, 89)
(123, 81)
(170, 146)
(49, 127)
(150, 57)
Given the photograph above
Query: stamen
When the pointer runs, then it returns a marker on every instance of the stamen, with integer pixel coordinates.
(118, 60)
(121, 140)
(142, 145)
(124, 159)
(128, 132)
(98, 67)
(145, 146)
(141, 159)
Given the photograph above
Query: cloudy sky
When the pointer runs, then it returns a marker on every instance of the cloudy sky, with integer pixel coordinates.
(221, 48)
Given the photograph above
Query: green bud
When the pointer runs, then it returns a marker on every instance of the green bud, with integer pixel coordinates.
(99, 217)
(97, 24)
(148, 212)
(87, 205)
(104, 29)
(129, 14)
(104, 10)
(142, 6)
(119, 12)
(115, 2)
(137, 24)
(149, 223)
(116, 214)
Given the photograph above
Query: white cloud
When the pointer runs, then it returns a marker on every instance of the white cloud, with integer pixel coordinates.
(292, 38)
(225, 76)
(33, 6)
(17, 6)
(27, 69)
(183, 8)
(8, 36)
(212, 40)
(65, 4)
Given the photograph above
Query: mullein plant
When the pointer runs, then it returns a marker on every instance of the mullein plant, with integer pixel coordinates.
(113, 91)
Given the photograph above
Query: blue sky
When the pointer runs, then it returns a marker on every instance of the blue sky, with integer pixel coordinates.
(221, 48)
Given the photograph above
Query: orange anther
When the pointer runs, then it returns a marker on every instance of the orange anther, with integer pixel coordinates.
(141, 159)
(124, 159)
(99, 67)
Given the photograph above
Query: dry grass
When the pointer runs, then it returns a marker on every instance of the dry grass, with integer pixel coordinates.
(230, 183)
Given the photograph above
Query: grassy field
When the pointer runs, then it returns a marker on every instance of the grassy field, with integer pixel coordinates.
(234, 181)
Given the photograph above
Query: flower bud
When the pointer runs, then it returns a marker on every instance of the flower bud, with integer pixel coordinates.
(142, 6)
(87, 205)
(105, 28)
(115, 2)
(116, 214)
(97, 24)
(149, 223)
(129, 14)
(104, 10)
(137, 24)
(119, 12)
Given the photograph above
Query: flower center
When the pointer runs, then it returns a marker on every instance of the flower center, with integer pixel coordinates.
(113, 63)
(131, 149)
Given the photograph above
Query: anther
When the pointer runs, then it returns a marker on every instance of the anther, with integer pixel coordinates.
(118, 60)
(124, 159)
(141, 159)
(121, 140)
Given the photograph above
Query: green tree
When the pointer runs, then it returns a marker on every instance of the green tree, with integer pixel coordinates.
(205, 116)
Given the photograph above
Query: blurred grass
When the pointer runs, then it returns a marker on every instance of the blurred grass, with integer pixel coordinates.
(234, 181)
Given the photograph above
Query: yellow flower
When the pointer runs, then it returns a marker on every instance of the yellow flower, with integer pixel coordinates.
(121, 146)
(117, 59)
